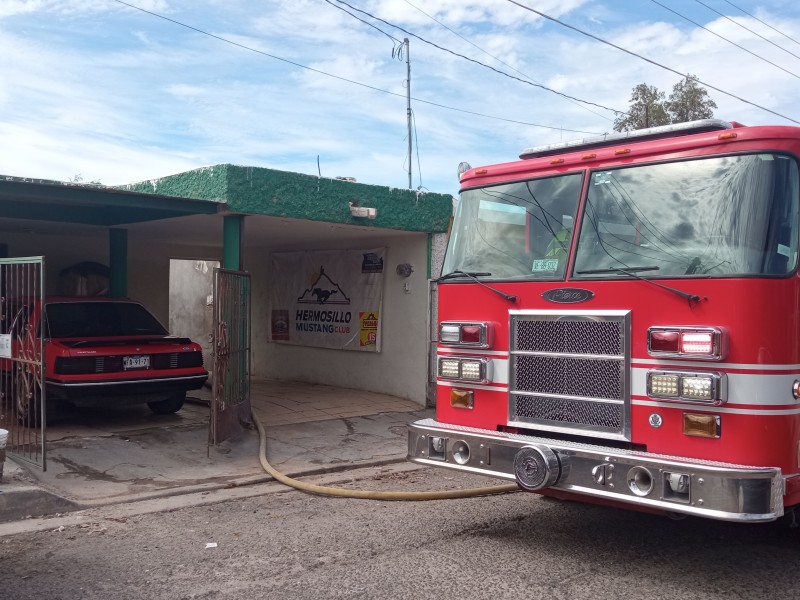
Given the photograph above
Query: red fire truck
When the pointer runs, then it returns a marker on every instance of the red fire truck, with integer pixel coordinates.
(618, 322)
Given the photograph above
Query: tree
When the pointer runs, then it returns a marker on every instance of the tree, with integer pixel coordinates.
(689, 102)
(647, 110)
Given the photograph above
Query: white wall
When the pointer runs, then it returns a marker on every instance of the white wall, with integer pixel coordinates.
(399, 369)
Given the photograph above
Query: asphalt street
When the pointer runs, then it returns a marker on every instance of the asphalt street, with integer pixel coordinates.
(271, 542)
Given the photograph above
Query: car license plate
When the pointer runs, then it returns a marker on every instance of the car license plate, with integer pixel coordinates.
(141, 361)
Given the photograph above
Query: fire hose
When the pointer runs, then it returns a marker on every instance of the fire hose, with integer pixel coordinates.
(367, 494)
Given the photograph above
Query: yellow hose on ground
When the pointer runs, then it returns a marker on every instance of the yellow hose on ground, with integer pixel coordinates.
(366, 494)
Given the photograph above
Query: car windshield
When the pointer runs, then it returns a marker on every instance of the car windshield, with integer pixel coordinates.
(723, 216)
(515, 230)
(100, 319)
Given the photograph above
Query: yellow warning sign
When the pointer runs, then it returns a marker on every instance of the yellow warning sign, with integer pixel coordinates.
(368, 322)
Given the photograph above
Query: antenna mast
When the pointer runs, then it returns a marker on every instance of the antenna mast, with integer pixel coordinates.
(408, 105)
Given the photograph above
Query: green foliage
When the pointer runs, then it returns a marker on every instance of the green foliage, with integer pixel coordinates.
(689, 102)
(649, 108)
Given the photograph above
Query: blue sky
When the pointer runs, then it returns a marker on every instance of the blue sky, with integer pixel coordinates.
(99, 89)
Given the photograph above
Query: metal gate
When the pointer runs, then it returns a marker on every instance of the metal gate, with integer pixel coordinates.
(22, 392)
(230, 399)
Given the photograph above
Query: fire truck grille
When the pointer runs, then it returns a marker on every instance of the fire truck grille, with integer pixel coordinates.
(569, 373)
(591, 377)
(556, 410)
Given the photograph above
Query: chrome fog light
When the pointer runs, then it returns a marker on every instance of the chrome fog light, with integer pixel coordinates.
(461, 452)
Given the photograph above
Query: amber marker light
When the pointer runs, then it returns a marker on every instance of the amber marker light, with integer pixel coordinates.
(462, 399)
(557, 161)
(481, 171)
(589, 156)
(728, 135)
(701, 425)
(622, 151)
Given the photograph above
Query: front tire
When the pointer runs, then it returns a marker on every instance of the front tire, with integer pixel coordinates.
(169, 406)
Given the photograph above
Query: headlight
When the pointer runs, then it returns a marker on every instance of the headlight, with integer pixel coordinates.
(472, 370)
(705, 388)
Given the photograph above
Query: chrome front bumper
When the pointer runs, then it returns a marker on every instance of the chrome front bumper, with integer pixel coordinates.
(693, 487)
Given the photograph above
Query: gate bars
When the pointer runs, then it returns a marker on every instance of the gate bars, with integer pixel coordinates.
(22, 390)
(230, 399)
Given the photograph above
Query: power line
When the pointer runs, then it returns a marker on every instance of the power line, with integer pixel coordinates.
(501, 61)
(724, 38)
(764, 23)
(735, 22)
(365, 22)
(477, 62)
(345, 79)
(652, 62)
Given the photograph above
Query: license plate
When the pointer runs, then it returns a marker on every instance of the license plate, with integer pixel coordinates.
(136, 362)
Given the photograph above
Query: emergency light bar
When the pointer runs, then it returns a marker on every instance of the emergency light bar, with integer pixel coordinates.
(639, 135)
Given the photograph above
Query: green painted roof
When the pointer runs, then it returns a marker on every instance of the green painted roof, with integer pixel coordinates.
(259, 191)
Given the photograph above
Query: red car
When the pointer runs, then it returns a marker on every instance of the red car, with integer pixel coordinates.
(100, 351)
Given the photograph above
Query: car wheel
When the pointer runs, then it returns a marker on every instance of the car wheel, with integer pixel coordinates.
(169, 406)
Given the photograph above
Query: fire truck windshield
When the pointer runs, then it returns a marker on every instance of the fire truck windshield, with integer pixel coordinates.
(515, 230)
(708, 217)
(733, 215)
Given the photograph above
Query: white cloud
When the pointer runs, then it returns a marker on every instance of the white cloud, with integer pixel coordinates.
(96, 88)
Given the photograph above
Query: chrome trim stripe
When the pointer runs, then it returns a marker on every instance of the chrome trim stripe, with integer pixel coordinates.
(471, 386)
(751, 389)
(743, 389)
(767, 412)
(472, 351)
(125, 381)
(655, 363)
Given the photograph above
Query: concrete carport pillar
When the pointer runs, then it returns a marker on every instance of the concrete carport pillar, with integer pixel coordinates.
(232, 242)
(118, 262)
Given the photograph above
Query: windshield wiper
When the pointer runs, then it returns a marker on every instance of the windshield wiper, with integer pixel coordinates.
(631, 271)
(626, 270)
(471, 274)
(474, 277)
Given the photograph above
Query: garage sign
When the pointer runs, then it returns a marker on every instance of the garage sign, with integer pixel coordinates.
(328, 299)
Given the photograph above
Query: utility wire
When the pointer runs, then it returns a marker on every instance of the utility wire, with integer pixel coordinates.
(791, 39)
(652, 62)
(674, 12)
(356, 17)
(346, 80)
(735, 22)
(501, 61)
(477, 62)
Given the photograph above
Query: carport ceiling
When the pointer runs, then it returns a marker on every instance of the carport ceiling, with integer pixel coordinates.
(205, 231)
(90, 205)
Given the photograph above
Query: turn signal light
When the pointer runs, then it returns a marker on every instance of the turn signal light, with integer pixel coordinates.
(707, 426)
(462, 398)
